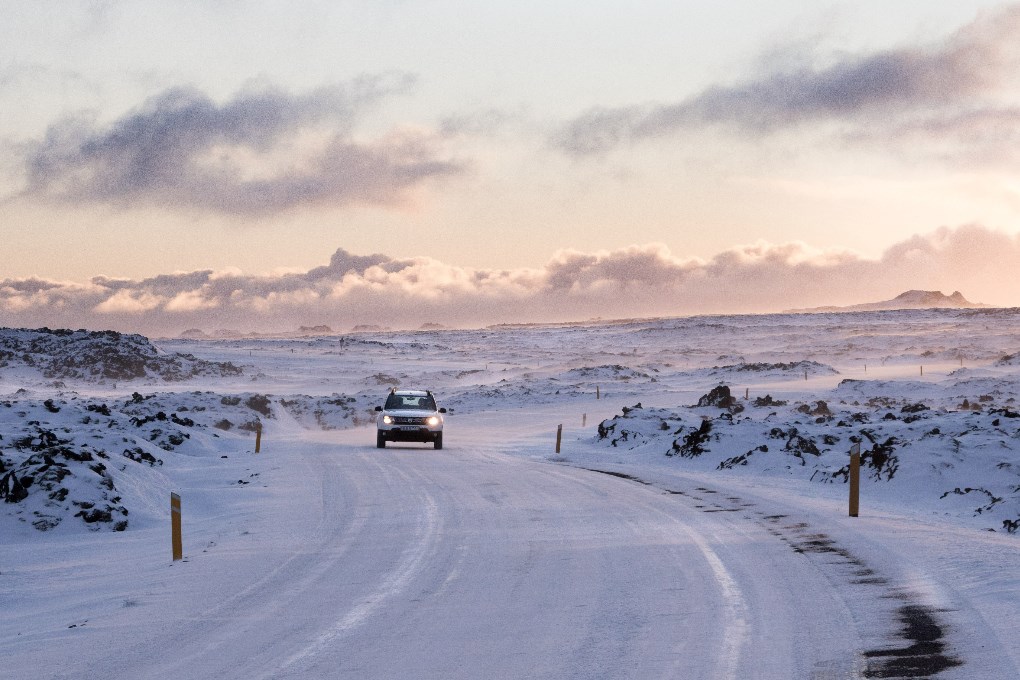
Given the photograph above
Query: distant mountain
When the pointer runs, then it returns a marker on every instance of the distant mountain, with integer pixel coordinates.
(229, 334)
(912, 299)
(315, 330)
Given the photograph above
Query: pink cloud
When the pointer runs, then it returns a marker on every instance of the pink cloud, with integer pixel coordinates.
(640, 280)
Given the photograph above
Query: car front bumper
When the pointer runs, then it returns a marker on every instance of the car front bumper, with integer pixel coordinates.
(406, 433)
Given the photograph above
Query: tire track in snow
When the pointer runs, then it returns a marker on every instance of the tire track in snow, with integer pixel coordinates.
(269, 595)
(390, 586)
(925, 653)
(917, 649)
(736, 625)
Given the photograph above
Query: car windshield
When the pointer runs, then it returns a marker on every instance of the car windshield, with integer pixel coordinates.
(410, 401)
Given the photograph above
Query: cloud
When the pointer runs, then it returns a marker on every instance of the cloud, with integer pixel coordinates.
(126, 301)
(641, 280)
(976, 138)
(650, 265)
(972, 62)
(262, 152)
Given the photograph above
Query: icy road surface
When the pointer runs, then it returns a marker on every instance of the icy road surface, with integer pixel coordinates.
(418, 564)
(471, 562)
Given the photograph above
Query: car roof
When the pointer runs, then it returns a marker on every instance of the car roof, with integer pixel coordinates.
(413, 393)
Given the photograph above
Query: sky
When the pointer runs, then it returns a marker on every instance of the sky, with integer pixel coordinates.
(185, 164)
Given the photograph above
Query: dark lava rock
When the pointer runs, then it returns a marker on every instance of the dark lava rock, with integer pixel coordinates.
(718, 397)
(11, 489)
(820, 409)
(799, 445)
(627, 409)
(767, 400)
(139, 455)
(694, 442)
(94, 515)
(914, 408)
(259, 403)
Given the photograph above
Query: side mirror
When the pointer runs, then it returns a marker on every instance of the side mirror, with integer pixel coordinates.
(442, 410)
(378, 408)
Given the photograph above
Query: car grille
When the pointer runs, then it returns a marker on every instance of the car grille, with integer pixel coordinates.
(407, 420)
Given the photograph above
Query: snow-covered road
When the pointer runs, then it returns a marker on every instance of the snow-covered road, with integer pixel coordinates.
(422, 564)
(482, 561)
(466, 563)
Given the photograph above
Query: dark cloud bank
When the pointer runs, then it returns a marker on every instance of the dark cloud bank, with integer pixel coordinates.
(181, 149)
(637, 281)
(932, 91)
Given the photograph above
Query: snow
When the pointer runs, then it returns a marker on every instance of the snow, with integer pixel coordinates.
(665, 539)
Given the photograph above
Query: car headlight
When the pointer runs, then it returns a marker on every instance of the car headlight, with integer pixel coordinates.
(433, 421)
(387, 420)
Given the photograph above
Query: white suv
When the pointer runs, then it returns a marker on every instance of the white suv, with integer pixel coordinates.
(409, 416)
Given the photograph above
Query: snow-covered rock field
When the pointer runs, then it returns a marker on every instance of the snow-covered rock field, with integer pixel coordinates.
(97, 428)
(931, 397)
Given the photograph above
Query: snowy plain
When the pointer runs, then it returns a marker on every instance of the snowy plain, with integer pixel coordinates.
(664, 539)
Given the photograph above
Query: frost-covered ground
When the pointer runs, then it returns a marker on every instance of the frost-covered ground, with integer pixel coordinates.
(97, 429)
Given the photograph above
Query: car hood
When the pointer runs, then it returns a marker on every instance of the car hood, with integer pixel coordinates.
(411, 413)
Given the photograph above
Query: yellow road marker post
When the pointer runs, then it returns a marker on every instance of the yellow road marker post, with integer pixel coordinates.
(175, 527)
(855, 479)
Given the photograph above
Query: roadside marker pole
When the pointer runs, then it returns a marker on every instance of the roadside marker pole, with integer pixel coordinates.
(747, 393)
(597, 394)
(922, 370)
(559, 436)
(258, 437)
(584, 419)
(175, 526)
(855, 479)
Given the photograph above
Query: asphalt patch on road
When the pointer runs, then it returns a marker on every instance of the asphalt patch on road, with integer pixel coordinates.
(924, 655)
(619, 474)
(918, 649)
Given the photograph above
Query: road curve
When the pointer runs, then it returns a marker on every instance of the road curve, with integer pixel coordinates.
(416, 563)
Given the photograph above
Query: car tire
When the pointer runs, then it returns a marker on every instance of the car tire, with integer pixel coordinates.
(439, 441)
(380, 441)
